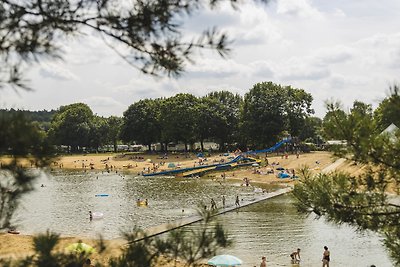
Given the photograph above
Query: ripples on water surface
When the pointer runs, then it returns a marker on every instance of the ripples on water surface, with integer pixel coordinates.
(63, 204)
(272, 228)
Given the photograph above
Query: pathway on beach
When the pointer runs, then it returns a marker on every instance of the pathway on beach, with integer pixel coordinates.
(334, 165)
(163, 228)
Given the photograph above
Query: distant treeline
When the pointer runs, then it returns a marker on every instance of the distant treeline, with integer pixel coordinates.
(39, 116)
(266, 114)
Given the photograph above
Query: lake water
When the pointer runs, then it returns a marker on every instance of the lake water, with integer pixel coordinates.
(272, 228)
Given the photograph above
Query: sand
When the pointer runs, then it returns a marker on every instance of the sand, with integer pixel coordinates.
(12, 245)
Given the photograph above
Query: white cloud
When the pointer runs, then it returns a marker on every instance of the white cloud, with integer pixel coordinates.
(142, 87)
(339, 13)
(56, 71)
(298, 8)
(102, 105)
(262, 68)
(215, 68)
(339, 81)
(304, 73)
(333, 55)
(381, 50)
(255, 27)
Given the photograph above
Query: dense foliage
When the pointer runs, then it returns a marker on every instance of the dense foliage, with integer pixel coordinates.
(269, 109)
(367, 201)
(220, 116)
(25, 141)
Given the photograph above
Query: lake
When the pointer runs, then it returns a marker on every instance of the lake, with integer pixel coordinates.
(272, 228)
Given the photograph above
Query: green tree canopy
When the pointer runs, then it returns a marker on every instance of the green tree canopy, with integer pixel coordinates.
(114, 126)
(298, 108)
(71, 126)
(98, 132)
(388, 110)
(227, 130)
(179, 116)
(263, 113)
(141, 122)
(209, 117)
(311, 129)
(269, 109)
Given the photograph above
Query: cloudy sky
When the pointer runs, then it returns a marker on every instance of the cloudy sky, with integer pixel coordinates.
(336, 50)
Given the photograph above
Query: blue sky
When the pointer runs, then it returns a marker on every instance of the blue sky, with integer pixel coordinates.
(342, 50)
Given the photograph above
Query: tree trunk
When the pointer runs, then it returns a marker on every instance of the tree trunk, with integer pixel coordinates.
(202, 145)
(115, 145)
(221, 146)
(149, 147)
(165, 146)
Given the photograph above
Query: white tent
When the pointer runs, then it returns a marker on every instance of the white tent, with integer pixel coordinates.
(391, 129)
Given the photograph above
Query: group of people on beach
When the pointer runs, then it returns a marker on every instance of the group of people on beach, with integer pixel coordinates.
(295, 258)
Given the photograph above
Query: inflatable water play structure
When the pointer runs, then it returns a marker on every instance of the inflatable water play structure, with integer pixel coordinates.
(244, 159)
(142, 203)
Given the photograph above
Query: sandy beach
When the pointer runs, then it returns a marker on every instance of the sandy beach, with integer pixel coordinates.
(144, 163)
(12, 245)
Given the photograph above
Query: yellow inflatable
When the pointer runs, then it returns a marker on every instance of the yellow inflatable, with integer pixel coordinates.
(142, 203)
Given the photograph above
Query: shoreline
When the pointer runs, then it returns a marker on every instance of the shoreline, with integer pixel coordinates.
(148, 163)
(21, 245)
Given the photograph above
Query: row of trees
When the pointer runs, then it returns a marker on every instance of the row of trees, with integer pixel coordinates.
(258, 119)
(265, 114)
(154, 42)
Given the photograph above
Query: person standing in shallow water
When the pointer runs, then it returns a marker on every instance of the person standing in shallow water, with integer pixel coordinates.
(263, 262)
(237, 202)
(326, 257)
(295, 256)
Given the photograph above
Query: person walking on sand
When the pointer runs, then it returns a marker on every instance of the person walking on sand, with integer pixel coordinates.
(263, 262)
(326, 257)
(237, 201)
